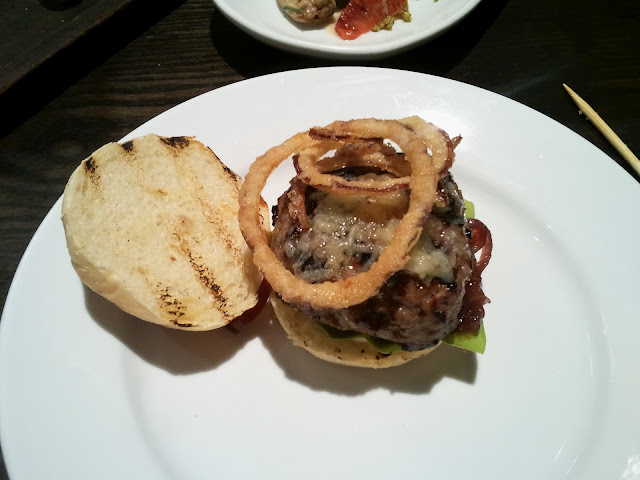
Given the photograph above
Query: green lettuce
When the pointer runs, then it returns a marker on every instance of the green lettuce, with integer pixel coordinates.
(468, 341)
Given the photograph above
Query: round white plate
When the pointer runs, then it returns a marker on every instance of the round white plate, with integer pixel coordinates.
(263, 20)
(89, 392)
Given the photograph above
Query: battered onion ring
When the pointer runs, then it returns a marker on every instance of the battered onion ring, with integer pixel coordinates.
(306, 163)
(437, 139)
(311, 168)
(394, 164)
(356, 289)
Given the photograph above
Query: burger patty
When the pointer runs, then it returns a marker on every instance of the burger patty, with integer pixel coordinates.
(326, 237)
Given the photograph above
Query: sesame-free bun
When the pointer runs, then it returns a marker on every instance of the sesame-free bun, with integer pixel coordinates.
(152, 225)
(305, 333)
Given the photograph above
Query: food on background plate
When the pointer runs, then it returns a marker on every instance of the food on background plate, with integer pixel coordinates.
(371, 258)
(363, 16)
(356, 18)
(151, 225)
(308, 11)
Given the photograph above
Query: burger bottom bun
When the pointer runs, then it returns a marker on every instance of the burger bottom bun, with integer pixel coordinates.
(305, 333)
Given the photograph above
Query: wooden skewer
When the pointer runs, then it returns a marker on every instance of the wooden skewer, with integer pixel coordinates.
(605, 130)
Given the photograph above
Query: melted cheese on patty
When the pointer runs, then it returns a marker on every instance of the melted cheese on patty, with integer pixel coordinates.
(349, 233)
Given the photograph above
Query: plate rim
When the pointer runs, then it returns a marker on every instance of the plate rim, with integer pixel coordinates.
(621, 173)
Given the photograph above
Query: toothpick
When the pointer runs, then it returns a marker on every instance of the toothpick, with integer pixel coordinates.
(605, 130)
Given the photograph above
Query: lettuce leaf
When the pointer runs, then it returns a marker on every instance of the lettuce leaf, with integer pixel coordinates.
(468, 341)
(469, 209)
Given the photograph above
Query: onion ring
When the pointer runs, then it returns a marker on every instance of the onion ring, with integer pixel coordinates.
(394, 164)
(306, 166)
(306, 162)
(312, 172)
(297, 207)
(356, 289)
(437, 139)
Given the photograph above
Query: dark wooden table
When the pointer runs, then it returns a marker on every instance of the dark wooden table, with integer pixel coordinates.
(149, 56)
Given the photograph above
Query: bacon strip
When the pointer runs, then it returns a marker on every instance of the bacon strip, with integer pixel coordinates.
(472, 311)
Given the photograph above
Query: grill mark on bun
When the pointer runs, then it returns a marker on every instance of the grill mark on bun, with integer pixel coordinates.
(214, 216)
(172, 306)
(176, 142)
(204, 276)
(91, 169)
(234, 176)
(90, 165)
(128, 146)
(215, 219)
(230, 172)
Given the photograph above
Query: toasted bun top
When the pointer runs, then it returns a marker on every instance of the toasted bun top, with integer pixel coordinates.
(305, 333)
(152, 226)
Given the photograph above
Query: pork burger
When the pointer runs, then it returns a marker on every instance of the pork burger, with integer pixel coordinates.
(371, 258)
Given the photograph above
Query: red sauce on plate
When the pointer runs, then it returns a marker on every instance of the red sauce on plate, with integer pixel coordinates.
(360, 16)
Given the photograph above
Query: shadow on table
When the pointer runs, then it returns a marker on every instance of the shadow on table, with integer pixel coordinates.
(252, 58)
(182, 353)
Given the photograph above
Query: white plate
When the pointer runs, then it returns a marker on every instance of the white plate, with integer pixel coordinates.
(263, 20)
(89, 392)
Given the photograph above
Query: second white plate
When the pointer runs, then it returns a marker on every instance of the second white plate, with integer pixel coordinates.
(264, 21)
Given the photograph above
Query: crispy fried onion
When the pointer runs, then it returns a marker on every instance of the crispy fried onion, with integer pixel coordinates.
(311, 166)
(422, 183)
(437, 140)
(386, 159)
